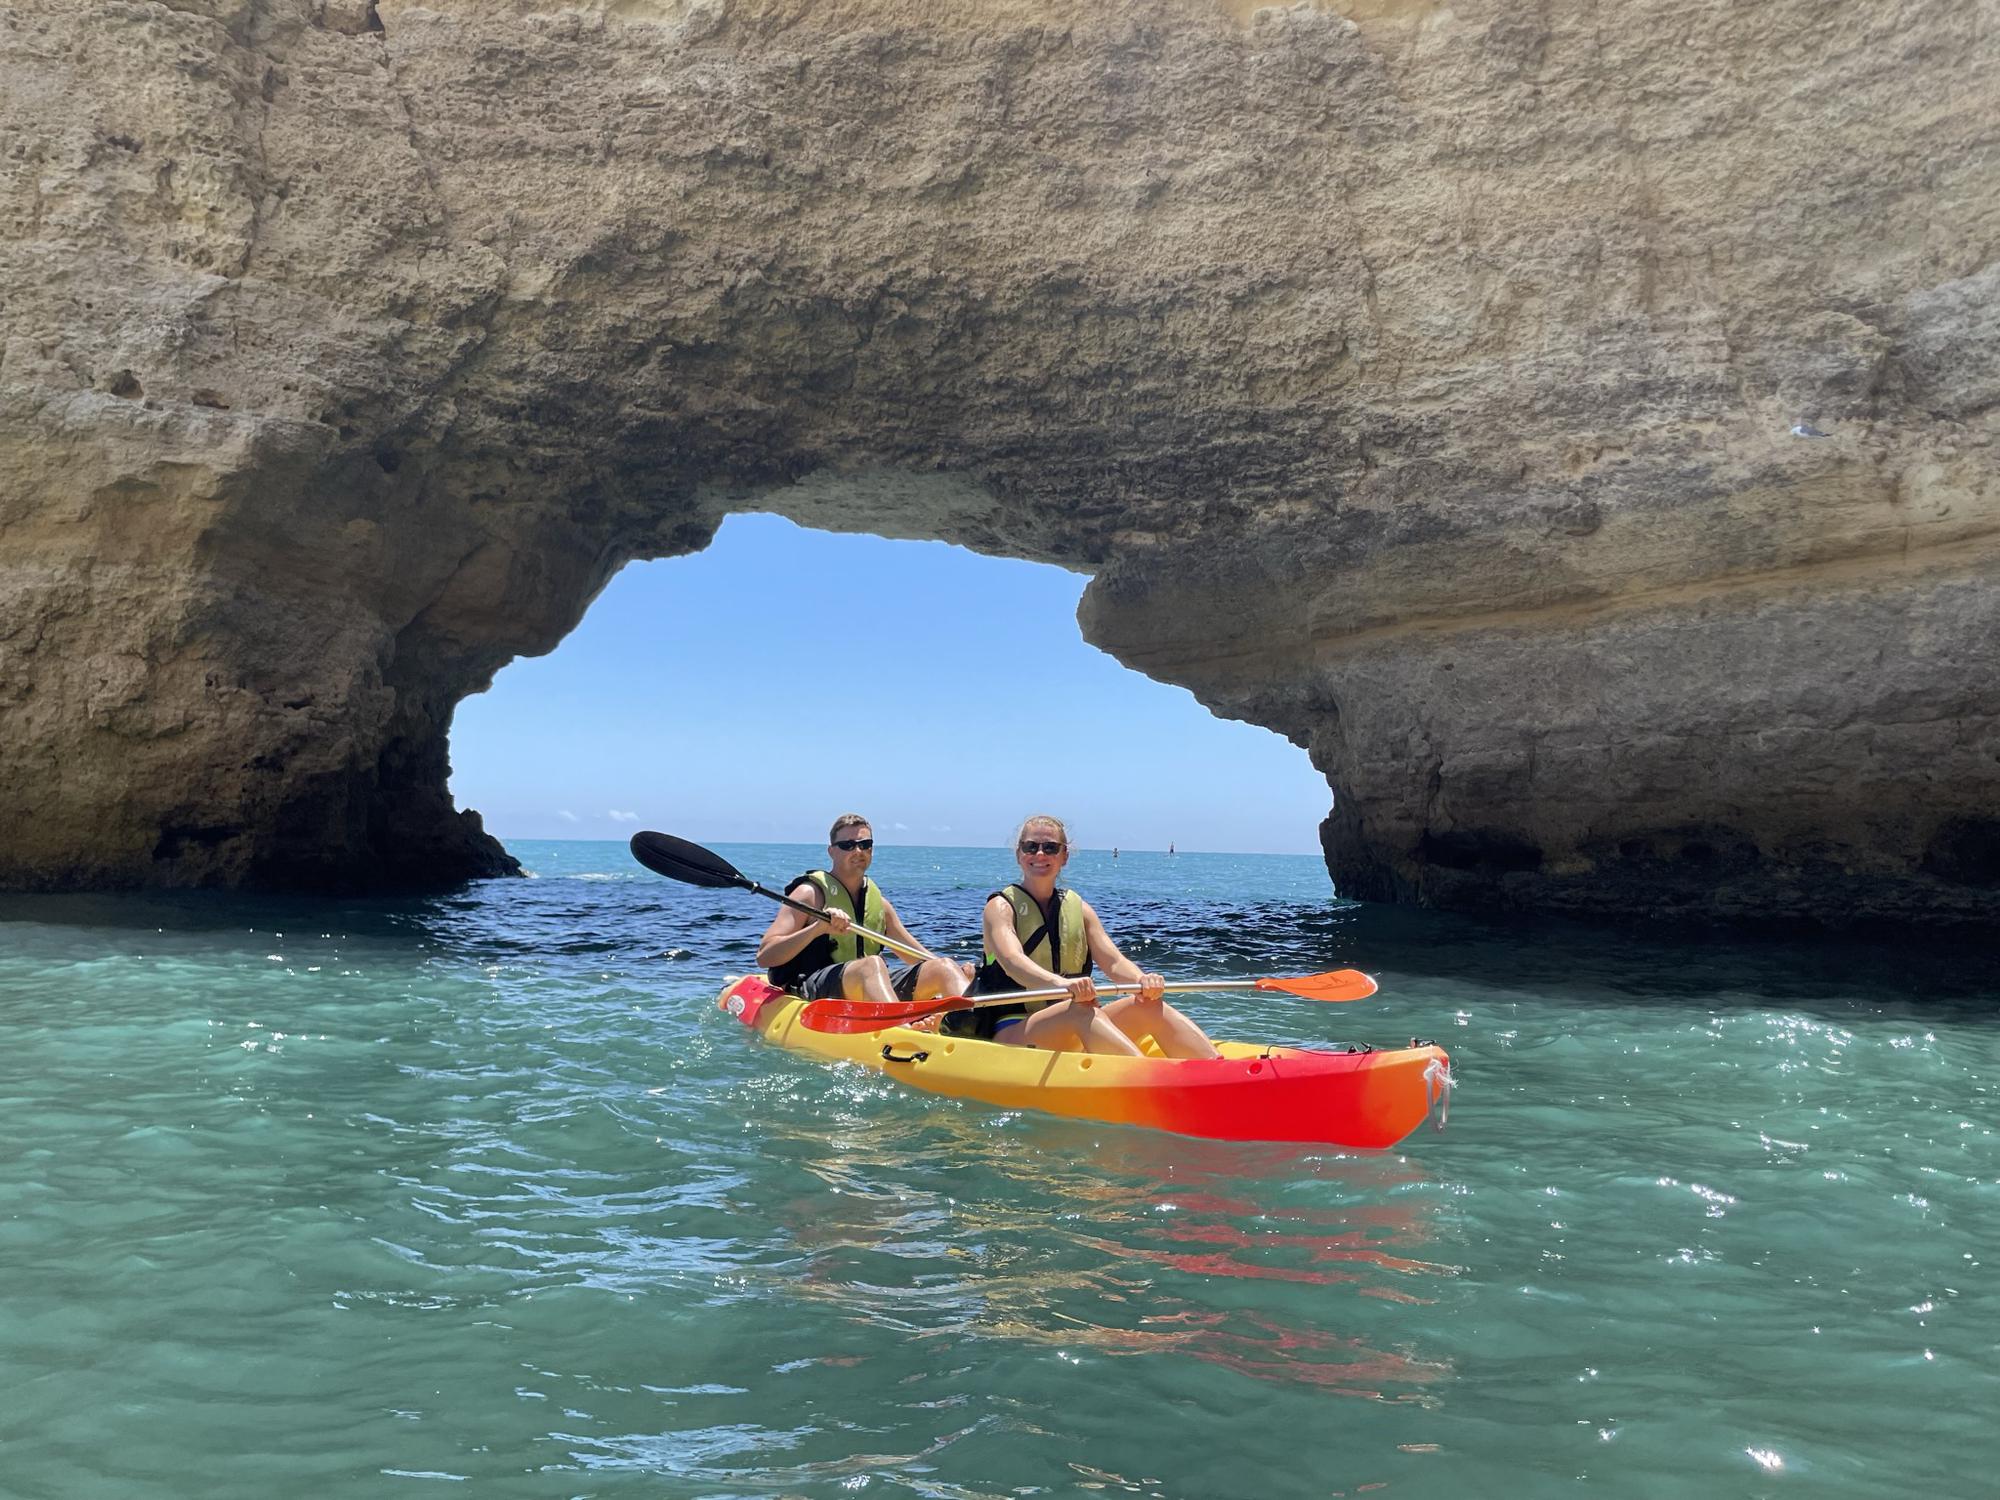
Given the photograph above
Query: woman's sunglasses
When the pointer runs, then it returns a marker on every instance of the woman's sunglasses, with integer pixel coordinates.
(854, 843)
(1041, 846)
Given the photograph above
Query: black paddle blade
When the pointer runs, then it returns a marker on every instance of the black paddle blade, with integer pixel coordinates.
(677, 859)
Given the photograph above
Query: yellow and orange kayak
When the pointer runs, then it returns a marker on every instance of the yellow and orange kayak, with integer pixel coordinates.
(1364, 1098)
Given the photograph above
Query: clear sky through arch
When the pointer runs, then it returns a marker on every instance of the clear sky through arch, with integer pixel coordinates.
(699, 696)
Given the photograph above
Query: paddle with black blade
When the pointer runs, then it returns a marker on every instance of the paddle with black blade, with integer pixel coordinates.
(691, 864)
(845, 1017)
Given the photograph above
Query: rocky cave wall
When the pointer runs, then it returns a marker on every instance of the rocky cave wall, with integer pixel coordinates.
(1417, 379)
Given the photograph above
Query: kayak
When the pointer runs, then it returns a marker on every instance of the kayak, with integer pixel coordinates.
(1361, 1097)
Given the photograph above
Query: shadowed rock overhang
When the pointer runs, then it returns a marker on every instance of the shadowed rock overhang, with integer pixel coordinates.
(1434, 385)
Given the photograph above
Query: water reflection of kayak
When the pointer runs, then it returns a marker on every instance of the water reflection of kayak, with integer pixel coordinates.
(1363, 1098)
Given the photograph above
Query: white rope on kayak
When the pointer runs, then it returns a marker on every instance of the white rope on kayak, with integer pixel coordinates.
(1438, 1084)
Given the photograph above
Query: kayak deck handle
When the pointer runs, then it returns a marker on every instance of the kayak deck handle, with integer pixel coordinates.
(889, 1055)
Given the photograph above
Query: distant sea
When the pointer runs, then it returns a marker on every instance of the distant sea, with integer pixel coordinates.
(479, 1194)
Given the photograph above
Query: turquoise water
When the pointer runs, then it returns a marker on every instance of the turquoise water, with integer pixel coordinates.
(387, 1198)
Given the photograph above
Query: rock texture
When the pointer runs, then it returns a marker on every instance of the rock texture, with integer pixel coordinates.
(1417, 379)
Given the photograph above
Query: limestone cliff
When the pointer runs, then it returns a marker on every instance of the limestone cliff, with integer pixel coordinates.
(1418, 379)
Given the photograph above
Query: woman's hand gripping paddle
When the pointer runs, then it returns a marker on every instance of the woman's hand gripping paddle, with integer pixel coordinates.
(845, 1017)
(691, 864)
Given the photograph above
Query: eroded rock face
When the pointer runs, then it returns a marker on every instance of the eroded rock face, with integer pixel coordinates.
(1419, 381)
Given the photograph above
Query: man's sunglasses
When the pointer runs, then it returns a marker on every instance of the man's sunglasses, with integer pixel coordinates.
(1041, 846)
(854, 843)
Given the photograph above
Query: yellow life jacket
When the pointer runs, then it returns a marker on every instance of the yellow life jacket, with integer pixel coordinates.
(1066, 950)
(850, 945)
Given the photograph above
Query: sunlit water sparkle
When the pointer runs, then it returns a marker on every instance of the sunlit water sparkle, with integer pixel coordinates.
(366, 1199)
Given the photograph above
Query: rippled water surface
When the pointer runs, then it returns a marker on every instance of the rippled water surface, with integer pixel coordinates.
(374, 1199)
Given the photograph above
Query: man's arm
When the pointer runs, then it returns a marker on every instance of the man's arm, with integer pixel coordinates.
(791, 930)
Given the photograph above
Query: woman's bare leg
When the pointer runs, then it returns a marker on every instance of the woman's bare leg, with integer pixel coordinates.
(1069, 1027)
(1175, 1033)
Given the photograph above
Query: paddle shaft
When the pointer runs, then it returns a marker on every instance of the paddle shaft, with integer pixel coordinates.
(914, 955)
(846, 1017)
(1120, 987)
(921, 1008)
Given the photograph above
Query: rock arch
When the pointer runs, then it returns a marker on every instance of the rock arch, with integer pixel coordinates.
(1420, 382)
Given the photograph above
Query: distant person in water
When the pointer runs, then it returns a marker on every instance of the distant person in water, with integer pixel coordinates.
(820, 958)
(1040, 936)
(1170, 848)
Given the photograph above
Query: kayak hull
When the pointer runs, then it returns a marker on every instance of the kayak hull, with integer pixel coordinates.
(1366, 1100)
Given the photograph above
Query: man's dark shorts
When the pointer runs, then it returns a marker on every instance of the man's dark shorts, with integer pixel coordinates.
(985, 1023)
(825, 984)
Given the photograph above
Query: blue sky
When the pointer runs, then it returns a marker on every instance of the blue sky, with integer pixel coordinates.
(747, 694)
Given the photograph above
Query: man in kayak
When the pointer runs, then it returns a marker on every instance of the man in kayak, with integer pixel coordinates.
(819, 958)
(1039, 937)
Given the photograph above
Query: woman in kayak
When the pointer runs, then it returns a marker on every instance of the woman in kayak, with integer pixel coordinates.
(1040, 936)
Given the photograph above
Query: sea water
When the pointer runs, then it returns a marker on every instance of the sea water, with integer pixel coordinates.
(481, 1194)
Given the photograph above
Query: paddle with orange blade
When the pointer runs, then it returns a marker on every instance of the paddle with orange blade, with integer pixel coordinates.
(845, 1017)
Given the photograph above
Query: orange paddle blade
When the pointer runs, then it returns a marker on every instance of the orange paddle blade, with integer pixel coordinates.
(846, 1017)
(1334, 984)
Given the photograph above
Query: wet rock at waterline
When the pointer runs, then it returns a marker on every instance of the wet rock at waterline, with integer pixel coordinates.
(1575, 427)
